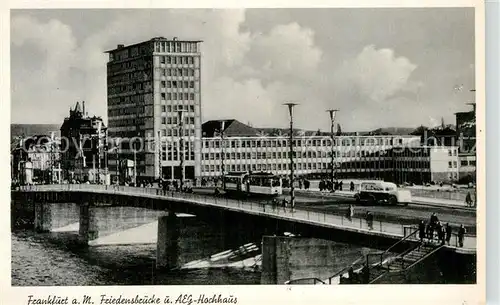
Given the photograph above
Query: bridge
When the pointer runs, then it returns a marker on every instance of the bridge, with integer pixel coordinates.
(244, 214)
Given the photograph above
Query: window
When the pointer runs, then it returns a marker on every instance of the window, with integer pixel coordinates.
(163, 96)
(449, 153)
(191, 96)
(163, 120)
(163, 84)
(162, 59)
(169, 60)
(455, 164)
(450, 165)
(169, 97)
(163, 108)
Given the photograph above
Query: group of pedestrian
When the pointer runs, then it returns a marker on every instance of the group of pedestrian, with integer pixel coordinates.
(326, 185)
(435, 231)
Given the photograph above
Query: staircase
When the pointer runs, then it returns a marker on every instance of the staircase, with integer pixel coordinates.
(404, 262)
(382, 263)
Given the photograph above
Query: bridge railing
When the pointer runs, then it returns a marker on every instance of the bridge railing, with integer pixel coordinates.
(321, 218)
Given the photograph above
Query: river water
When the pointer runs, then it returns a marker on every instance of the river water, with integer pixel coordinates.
(56, 259)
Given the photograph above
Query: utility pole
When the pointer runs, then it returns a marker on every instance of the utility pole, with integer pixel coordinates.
(134, 148)
(292, 189)
(181, 147)
(332, 113)
(117, 166)
(159, 157)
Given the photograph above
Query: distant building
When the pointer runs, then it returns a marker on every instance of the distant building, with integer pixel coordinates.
(148, 84)
(39, 155)
(388, 157)
(466, 134)
(83, 141)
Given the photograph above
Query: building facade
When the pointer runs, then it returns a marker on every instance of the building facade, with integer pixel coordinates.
(83, 141)
(148, 84)
(392, 158)
(466, 135)
(39, 155)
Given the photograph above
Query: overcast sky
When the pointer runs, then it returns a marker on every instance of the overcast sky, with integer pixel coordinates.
(380, 67)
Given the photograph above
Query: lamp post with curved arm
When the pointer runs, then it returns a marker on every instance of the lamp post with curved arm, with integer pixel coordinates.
(292, 189)
(332, 113)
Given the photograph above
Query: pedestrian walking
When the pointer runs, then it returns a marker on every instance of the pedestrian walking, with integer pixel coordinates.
(442, 235)
(468, 199)
(461, 234)
(434, 219)
(369, 219)
(421, 230)
(366, 274)
(350, 212)
(284, 203)
(448, 233)
(430, 232)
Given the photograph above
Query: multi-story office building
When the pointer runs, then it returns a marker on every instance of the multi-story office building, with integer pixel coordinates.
(392, 158)
(149, 83)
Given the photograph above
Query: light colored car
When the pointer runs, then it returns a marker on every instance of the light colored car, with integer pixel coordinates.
(374, 192)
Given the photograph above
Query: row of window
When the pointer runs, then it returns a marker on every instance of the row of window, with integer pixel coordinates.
(174, 156)
(126, 122)
(311, 166)
(176, 47)
(178, 72)
(297, 154)
(139, 64)
(138, 76)
(326, 141)
(130, 87)
(452, 164)
(177, 84)
(175, 108)
(174, 132)
(177, 60)
(468, 163)
(175, 121)
(126, 110)
(174, 96)
(132, 99)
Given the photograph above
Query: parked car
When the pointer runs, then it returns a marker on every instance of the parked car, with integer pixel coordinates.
(380, 192)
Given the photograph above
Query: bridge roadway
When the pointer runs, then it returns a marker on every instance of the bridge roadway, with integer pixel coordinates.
(407, 215)
(300, 214)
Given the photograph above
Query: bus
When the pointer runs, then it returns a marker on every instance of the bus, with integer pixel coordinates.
(260, 183)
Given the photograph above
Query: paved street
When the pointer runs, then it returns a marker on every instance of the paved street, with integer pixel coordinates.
(410, 214)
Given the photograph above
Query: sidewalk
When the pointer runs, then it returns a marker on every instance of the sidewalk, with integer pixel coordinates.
(438, 202)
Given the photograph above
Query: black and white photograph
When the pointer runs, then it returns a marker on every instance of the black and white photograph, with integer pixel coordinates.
(244, 146)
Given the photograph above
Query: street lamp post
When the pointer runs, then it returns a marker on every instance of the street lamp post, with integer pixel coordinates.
(332, 113)
(181, 147)
(292, 189)
(159, 157)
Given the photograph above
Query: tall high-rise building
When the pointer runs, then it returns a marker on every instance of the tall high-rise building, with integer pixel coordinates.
(149, 83)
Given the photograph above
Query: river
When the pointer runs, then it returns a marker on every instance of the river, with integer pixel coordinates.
(55, 259)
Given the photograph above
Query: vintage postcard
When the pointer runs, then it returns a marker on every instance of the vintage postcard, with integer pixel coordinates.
(235, 155)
